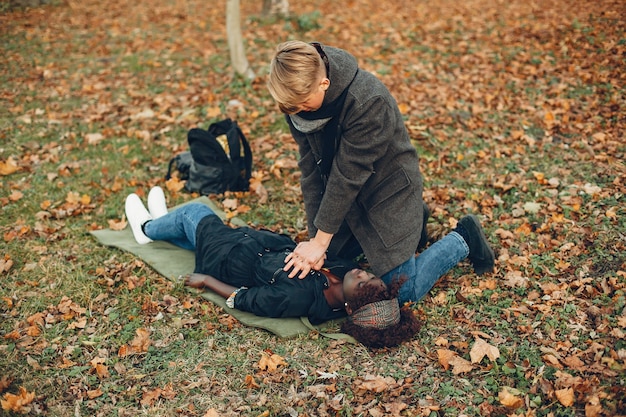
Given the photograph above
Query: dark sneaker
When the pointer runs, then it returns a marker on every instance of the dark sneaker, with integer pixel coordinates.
(424, 236)
(480, 253)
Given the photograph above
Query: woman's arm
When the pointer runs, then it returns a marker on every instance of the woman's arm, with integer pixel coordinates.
(207, 281)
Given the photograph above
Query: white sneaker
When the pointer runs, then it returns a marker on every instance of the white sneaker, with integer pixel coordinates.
(156, 202)
(137, 215)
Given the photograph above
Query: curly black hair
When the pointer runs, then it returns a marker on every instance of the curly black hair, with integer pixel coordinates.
(379, 338)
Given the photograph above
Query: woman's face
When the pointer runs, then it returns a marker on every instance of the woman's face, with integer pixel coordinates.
(356, 279)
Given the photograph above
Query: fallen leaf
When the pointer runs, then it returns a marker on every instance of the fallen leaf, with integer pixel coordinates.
(271, 363)
(5, 382)
(565, 396)
(377, 383)
(250, 383)
(16, 195)
(149, 397)
(507, 399)
(17, 402)
(8, 167)
(481, 349)
(444, 356)
(460, 365)
(91, 394)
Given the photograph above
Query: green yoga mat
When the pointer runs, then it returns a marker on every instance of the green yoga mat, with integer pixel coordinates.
(172, 262)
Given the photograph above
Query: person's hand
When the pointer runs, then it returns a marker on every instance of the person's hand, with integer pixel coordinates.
(195, 280)
(307, 255)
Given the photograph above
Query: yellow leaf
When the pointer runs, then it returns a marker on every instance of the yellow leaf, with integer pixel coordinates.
(72, 197)
(8, 167)
(174, 184)
(16, 403)
(565, 396)
(444, 356)
(213, 112)
(509, 400)
(404, 108)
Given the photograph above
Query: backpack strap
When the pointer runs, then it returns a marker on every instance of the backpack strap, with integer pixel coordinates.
(247, 152)
(168, 176)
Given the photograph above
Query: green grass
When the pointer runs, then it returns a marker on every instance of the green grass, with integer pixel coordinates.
(472, 76)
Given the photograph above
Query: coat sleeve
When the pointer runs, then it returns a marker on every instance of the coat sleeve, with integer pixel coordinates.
(363, 142)
(272, 301)
(310, 181)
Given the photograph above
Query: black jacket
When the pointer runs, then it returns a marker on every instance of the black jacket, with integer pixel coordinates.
(255, 259)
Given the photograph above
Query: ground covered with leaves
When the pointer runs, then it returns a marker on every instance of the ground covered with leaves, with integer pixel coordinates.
(517, 108)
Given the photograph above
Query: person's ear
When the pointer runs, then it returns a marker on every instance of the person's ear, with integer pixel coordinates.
(347, 308)
(325, 84)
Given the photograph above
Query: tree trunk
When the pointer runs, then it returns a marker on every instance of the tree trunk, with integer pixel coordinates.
(276, 7)
(238, 58)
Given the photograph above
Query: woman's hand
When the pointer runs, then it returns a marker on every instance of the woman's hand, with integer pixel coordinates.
(195, 280)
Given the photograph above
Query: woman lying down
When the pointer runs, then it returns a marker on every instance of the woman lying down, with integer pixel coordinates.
(246, 266)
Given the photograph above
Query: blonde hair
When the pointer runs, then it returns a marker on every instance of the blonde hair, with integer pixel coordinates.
(295, 73)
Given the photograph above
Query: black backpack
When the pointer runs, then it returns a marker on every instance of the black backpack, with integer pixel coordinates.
(207, 168)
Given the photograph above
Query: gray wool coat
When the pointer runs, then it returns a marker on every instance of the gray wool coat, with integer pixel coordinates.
(374, 190)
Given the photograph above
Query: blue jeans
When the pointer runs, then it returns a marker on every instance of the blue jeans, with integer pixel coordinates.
(426, 268)
(179, 226)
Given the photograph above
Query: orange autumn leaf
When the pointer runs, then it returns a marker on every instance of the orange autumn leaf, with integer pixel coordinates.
(17, 402)
(444, 356)
(95, 393)
(139, 344)
(100, 369)
(65, 363)
(565, 396)
(123, 351)
(271, 363)
(8, 167)
(250, 383)
(14, 335)
(174, 184)
(117, 224)
(149, 397)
